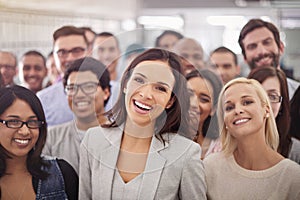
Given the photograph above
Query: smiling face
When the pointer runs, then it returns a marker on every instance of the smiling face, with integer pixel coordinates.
(18, 142)
(203, 92)
(147, 92)
(67, 49)
(244, 113)
(34, 71)
(86, 106)
(261, 49)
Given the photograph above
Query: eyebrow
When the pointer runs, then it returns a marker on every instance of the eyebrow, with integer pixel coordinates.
(16, 116)
(243, 97)
(163, 83)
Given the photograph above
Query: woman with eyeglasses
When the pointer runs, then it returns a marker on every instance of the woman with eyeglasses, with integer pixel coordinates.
(274, 82)
(24, 174)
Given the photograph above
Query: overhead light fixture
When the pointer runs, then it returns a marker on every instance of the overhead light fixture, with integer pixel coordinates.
(172, 22)
(227, 21)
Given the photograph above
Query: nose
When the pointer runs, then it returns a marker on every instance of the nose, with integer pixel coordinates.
(31, 72)
(146, 91)
(261, 49)
(239, 109)
(24, 130)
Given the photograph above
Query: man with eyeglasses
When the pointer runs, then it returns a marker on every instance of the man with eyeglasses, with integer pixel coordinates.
(261, 47)
(86, 84)
(8, 67)
(69, 44)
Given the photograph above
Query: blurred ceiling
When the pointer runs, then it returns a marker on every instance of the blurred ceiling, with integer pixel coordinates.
(130, 9)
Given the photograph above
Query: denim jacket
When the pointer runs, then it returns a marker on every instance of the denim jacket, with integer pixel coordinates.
(53, 187)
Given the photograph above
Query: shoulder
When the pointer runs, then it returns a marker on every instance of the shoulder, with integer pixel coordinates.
(62, 128)
(50, 91)
(66, 168)
(214, 159)
(295, 150)
(99, 137)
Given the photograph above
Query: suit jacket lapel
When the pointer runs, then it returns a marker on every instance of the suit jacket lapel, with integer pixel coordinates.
(109, 157)
(154, 167)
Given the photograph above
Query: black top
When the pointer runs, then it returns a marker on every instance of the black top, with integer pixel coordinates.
(70, 178)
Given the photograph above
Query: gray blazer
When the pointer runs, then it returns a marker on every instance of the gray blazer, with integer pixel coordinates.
(173, 170)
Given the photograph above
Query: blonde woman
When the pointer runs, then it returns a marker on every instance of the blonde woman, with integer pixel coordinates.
(249, 166)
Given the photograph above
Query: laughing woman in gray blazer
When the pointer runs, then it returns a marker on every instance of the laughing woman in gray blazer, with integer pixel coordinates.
(142, 154)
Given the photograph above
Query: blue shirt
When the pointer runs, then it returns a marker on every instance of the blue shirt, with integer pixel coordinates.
(55, 104)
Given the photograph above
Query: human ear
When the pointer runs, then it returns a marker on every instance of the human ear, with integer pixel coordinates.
(106, 93)
(170, 103)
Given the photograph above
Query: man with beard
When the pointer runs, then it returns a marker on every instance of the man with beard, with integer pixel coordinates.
(70, 43)
(261, 47)
(33, 71)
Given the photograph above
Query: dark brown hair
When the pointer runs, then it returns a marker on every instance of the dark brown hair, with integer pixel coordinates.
(69, 30)
(283, 118)
(35, 53)
(92, 65)
(223, 49)
(255, 24)
(167, 32)
(177, 119)
(8, 96)
(295, 115)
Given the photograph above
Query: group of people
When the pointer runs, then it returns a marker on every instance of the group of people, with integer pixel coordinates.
(170, 126)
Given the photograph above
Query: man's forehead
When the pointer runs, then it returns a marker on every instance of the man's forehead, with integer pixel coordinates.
(70, 41)
(82, 77)
(7, 58)
(257, 35)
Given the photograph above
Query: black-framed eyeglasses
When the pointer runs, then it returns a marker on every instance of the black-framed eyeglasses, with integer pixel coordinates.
(15, 123)
(76, 52)
(87, 88)
(274, 98)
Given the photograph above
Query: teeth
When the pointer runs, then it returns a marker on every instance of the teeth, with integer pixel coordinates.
(142, 106)
(241, 121)
(82, 103)
(21, 141)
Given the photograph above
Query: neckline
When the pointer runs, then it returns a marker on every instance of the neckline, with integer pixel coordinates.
(256, 173)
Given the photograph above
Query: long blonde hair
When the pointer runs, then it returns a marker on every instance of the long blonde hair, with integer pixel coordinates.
(271, 134)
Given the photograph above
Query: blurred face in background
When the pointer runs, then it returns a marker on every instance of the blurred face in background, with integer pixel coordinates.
(67, 49)
(191, 51)
(33, 72)
(8, 67)
(168, 41)
(107, 51)
(225, 66)
(272, 86)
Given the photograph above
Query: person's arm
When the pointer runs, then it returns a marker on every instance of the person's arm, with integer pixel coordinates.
(70, 179)
(193, 185)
